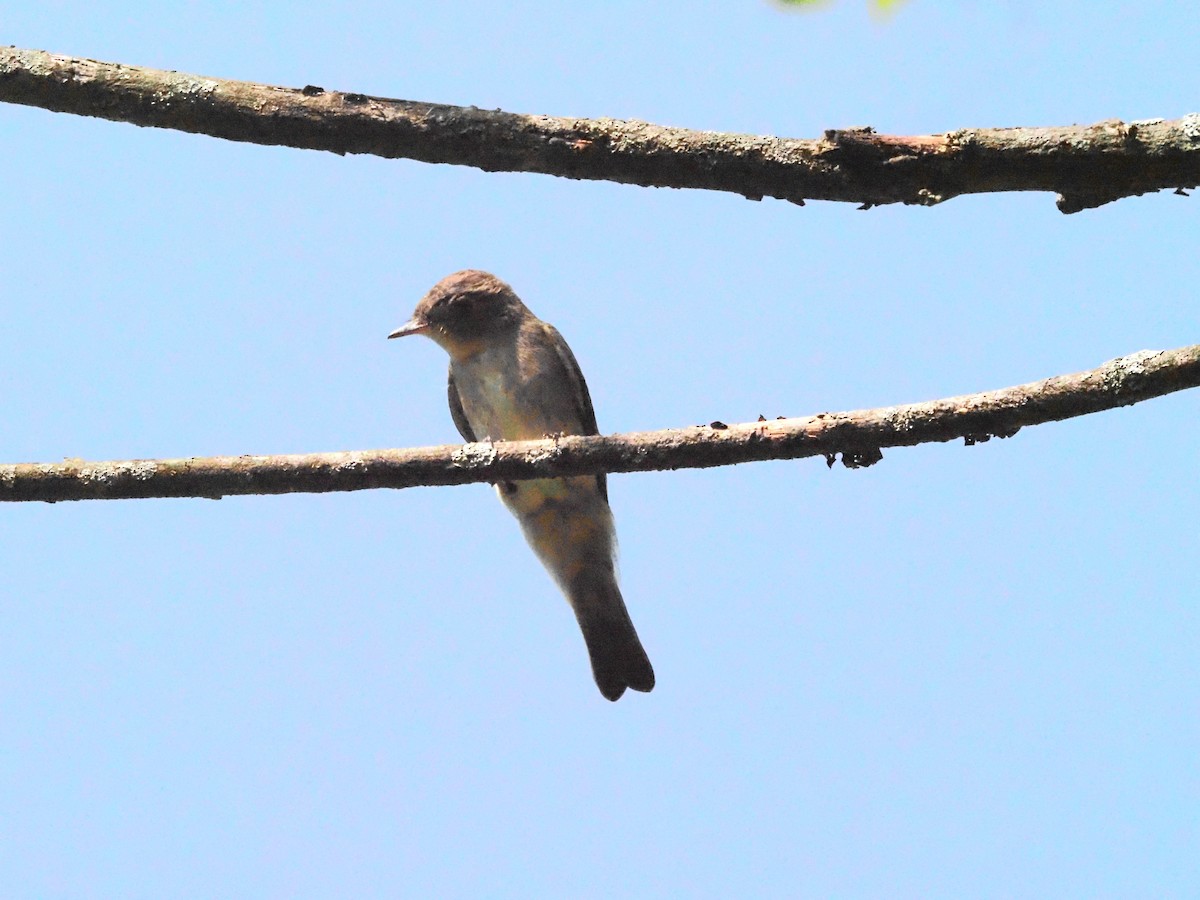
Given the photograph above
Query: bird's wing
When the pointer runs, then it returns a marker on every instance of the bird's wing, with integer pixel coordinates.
(579, 388)
(456, 410)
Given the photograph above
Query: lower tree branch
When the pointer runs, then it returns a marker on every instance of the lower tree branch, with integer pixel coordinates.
(1085, 165)
(859, 436)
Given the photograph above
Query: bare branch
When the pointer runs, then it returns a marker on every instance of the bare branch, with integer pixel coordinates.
(859, 436)
(1085, 165)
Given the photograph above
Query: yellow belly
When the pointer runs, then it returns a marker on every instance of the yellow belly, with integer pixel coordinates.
(565, 520)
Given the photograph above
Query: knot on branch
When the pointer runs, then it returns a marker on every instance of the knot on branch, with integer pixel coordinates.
(855, 459)
(970, 440)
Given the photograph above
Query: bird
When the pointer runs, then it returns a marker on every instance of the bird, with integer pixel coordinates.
(513, 378)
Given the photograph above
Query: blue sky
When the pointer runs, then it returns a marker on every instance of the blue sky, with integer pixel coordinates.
(962, 672)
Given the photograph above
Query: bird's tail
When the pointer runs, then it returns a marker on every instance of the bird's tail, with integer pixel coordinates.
(618, 659)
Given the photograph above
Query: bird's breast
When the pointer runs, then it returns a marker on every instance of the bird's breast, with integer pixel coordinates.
(505, 398)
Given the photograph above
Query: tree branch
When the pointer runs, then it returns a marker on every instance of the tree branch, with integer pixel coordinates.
(1086, 165)
(858, 436)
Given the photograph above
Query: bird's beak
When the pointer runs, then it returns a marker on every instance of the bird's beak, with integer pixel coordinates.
(412, 326)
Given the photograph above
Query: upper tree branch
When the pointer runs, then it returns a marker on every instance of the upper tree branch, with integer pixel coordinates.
(1085, 165)
(858, 436)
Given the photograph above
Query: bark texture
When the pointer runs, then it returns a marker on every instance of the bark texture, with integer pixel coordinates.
(1085, 165)
(858, 436)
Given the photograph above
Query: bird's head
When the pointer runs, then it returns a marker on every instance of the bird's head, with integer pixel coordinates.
(463, 309)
